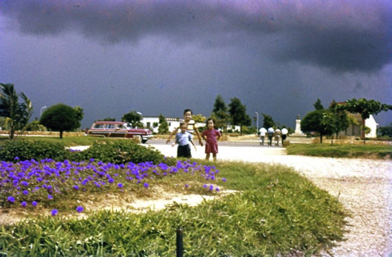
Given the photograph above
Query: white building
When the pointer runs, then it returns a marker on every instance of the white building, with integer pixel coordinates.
(152, 123)
(355, 130)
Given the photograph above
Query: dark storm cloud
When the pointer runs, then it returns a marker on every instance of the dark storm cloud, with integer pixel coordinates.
(339, 35)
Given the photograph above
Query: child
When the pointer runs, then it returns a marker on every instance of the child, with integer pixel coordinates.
(211, 136)
(183, 139)
(191, 126)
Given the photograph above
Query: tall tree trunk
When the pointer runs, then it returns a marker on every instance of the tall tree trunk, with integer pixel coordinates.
(321, 138)
(61, 134)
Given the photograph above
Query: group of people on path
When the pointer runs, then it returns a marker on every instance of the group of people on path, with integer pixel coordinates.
(279, 135)
(184, 138)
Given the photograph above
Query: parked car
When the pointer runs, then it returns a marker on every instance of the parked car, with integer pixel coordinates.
(118, 129)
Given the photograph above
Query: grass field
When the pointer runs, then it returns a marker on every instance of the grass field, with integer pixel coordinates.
(341, 150)
(275, 210)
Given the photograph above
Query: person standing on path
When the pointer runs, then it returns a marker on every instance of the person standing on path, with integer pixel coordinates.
(284, 134)
(262, 135)
(183, 139)
(211, 136)
(270, 132)
(277, 136)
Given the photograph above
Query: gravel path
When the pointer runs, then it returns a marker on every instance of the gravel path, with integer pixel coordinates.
(363, 186)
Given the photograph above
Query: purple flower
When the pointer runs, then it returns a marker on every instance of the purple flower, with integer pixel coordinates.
(16, 158)
(120, 185)
(223, 179)
(79, 209)
(11, 199)
(25, 192)
(24, 204)
(75, 187)
(34, 203)
(217, 189)
(50, 197)
(211, 187)
(54, 212)
(111, 180)
(146, 185)
(186, 185)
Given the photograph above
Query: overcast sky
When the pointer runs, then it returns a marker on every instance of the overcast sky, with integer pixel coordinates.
(160, 57)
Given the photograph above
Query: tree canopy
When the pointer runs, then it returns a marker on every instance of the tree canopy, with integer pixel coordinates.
(60, 117)
(238, 113)
(219, 113)
(133, 118)
(163, 126)
(313, 122)
(268, 121)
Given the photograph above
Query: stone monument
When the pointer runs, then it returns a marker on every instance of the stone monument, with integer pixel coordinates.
(298, 131)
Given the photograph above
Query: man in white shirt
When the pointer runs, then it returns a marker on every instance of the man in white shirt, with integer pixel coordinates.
(284, 134)
(262, 135)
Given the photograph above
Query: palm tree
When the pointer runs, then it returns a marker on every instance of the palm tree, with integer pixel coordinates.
(16, 114)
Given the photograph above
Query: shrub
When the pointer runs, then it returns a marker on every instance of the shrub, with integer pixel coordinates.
(116, 152)
(121, 151)
(27, 150)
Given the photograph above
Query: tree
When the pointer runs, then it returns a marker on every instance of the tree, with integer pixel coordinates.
(35, 126)
(79, 112)
(219, 113)
(312, 122)
(238, 113)
(108, 119)
(365, 108)
(337, 115)
(386, 130)
(60, 117)
(268, 121)
(133, 118)
(317, 105)
(16, 114)
(199, 118)
(163, 126)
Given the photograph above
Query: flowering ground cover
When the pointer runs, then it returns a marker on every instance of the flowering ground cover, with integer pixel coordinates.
(53, 184)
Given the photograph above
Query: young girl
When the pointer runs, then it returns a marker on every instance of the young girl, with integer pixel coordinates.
(211, 136)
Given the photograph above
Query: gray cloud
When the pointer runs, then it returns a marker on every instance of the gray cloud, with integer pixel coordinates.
(344, 36)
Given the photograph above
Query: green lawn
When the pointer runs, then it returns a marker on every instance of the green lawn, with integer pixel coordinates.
(275, 210)
(342, 151)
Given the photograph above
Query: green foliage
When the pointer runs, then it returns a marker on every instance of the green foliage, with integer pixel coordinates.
(341, 151)
(386, 130)
(163, 126)
(313, 121)
(79, 113)
(317, 105)
(268, 121)
(16, 114)
(114, 151)
(35, 126)
(121, 151)
(238, 113)
(60, 117)
(133, 118)
(27, 150)
(219, 113)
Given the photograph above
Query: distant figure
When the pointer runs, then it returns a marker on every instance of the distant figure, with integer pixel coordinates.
(270, 132)
(183, 139)
(191, 126)
(277, 136)
(284, 134)
(262, 135)
(211, 136)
